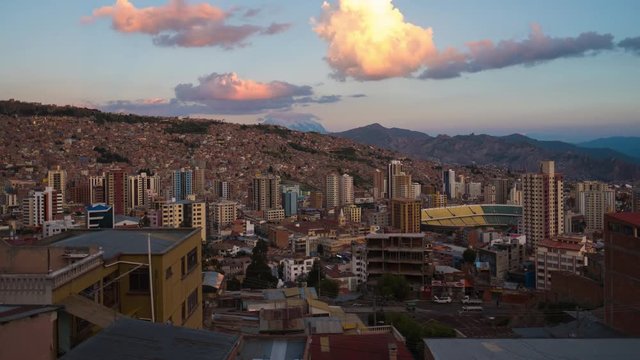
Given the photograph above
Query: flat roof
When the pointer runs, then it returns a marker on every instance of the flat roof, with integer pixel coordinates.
(10, 313)
(628, 217)
(534, 349)
(282, 348)
(137, 339)
(126, 241)
(389, 235)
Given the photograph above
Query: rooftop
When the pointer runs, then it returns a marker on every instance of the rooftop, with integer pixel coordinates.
(137, 339)
(560, 245)
(354, 347)
(114, 242)
(628, 217)
(15, 312)
(533, 349)
(283, 348)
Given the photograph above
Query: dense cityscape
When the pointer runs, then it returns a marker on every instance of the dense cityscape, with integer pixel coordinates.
(161, 229)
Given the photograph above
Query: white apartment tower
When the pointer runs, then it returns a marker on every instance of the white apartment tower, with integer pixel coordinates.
(594, 199)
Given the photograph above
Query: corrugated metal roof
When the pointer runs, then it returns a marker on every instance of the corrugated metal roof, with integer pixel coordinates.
(141, 340)
(534, 349)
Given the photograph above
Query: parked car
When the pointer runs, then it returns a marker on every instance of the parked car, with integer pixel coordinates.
(442, 300)
(470, 301)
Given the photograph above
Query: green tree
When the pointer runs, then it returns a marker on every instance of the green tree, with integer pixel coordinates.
(394, 286)
(233, 284)
(469, 256)
(258, 275)
(315, 275)
(329, 288)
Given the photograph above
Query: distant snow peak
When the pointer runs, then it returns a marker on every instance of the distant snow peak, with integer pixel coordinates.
(295, 121)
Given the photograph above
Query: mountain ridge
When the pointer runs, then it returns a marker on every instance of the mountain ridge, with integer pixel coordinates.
(515, 151)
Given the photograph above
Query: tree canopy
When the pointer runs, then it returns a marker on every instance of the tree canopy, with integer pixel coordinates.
(393, 286)
(258, 275)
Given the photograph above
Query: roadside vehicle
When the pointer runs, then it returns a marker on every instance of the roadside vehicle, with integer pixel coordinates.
(441, 300)
(469, 301)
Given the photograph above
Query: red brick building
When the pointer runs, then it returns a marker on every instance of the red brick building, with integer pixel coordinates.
(622, 272)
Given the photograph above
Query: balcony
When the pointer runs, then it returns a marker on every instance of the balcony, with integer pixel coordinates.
(37, 289)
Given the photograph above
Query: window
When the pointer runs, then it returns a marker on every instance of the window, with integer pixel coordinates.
(192, 302)
(139, 280)
(192, 259)
(168, 273)
(183, 268)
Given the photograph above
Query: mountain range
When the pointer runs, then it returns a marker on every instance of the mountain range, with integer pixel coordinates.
(628, 145)
(516, 152)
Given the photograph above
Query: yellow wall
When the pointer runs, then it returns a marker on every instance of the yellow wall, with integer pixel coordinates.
(171, 293)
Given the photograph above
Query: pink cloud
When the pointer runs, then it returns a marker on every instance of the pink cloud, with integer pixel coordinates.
(230, 87)
(178, 23)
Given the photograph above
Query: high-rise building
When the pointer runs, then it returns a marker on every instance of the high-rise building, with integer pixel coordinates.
(96, 189)
(593, 200)
(80, 191)
(223, 213)
(502, 190)
(378, 184)
(332, 191)
(515, 194)
(473, 190)
(185, 214)
(221, 189)
(490, 194)
(402, 187)
(181, 184)
(406, 215)
(417, 190)
(543, 205)
(346, 189)
(394, 168)
(266, 192)
(198, 181)
(621, 272)
(290, 203)
(449, 183)
(436, 200)
(41, 206)
(115, 190)
(57, 179)
(141, 190)
(316, 199)
(352, 213)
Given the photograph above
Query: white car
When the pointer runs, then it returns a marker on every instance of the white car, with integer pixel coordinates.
(469, 301)
(441, 300)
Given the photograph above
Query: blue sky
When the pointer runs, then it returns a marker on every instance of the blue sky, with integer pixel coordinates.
(49, 55)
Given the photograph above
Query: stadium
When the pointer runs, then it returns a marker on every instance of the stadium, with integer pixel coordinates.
(471, 216)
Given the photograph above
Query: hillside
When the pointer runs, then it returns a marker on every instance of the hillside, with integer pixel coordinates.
(35, 137)
(516, 152)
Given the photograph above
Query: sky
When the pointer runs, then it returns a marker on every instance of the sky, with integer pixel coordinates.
(566, 70)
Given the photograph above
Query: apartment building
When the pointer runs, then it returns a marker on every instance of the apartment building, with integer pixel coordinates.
(562, 253)
(399, 254)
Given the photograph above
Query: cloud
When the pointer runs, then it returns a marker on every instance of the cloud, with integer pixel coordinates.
(180, 24)
(369, 40)
(225, 94)
(537, 48)
(631, 44)
(276, 28)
